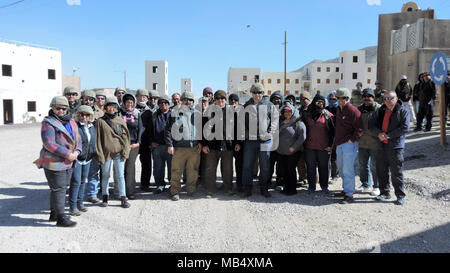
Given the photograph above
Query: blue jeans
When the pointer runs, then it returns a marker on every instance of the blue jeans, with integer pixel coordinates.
(346, 155)
(160, 158)
(252, 150)
(119, 175)
(368, 167)
(93, 179)
(78, 185)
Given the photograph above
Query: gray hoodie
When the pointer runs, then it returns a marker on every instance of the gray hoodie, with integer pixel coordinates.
(293, 135)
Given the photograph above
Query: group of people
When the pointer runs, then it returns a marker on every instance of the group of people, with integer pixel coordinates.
(83, 138)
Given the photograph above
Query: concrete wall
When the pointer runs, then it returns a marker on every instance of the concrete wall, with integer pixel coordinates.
(292, 87)
(236, 83)
(29, 81)
(387, 23)
(161, 77)
(186, 85)
(74, 81)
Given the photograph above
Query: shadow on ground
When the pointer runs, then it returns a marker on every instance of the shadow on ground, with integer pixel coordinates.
(435, 240)
(29, 202)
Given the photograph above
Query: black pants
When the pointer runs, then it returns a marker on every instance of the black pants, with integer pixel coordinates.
(58, 181)
(316, 159)
(390, 160)
(145, 156)
(333, 164)
(238, 164)
(288, 171)
(275, 158)
(425, 111)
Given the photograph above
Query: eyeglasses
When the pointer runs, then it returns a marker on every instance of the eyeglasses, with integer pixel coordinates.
(121, 93)
(60, 108)
(389, 98)
(89, 99)
(110, 107)
(72, 95)
(333, 99)
(319, 103)
(258, 92)
(188, 100)
(101, 98)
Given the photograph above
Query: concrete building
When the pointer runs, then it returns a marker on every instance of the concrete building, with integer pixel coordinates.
(274, 81)
(413, 45)
(186, 85)
(157, 76)
(351, 67)
(241, 79)
(74, 81)
(30, 78)
(389, 65)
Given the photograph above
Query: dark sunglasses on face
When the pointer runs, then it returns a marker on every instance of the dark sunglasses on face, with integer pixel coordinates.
(89, 99)
(72, 95)
(188, 100)
(101, 98)
(61, 108)
(333, 99)
(389, 98)
(259, 92)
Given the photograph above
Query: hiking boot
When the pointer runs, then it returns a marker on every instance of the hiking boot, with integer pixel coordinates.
(427, 129)
(104, 204)
(124, 202)
(384, 197)
(93, 200)
(175, 197)
(400, 201)
(64, 221)
(74, 212)
(53, 217)
(347, 200)
(82, 208)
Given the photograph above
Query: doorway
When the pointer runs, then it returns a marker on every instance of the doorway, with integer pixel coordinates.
(8, 112)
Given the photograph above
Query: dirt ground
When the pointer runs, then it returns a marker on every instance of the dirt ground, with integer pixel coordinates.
(300, 223)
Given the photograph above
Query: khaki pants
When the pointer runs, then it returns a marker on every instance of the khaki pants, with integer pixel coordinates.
(189, 158)
(226, 164)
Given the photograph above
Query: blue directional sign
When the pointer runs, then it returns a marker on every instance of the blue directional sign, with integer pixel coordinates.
(438, 68)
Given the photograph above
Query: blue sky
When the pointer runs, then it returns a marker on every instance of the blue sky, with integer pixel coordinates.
(200, 39)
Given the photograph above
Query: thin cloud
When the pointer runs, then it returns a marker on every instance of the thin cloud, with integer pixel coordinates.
(373, 2)
(73, 2)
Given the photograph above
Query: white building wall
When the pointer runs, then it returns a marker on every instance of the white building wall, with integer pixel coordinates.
(186, 85)
(160, 76)
(325, 77)
(349, 67)
(241, 79)
(29, 81)
(274, 81)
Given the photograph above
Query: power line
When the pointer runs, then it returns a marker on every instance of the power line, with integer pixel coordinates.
(12, 4)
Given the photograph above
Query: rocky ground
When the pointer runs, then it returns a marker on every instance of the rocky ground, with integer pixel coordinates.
(301, 223)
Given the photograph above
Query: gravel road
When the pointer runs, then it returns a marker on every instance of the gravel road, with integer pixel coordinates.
(301, 223)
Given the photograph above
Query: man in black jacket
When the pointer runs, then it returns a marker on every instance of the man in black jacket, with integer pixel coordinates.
(427, 95)
(405, 93)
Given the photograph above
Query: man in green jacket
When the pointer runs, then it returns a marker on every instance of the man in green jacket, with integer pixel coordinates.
(368, 145)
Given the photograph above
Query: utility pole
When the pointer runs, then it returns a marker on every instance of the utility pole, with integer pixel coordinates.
(124, 77)
(285, 52)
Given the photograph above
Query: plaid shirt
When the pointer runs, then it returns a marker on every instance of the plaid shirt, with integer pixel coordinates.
(57, 145)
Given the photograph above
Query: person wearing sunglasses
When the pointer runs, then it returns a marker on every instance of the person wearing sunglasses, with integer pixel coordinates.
(71, 94)
(318, 144)
(90, 98)
(119, 93)
(367, 149)
(113, 148)
(348, 131)
(153, 100)
(84, 118)
(185, 148)
(255, 141)
(390, 124)
(332, 108)
(61, 147)
(100, 100)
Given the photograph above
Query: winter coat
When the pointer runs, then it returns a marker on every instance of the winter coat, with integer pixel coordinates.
(112, 140)
(293, 135)
(368, 140)
(57, 145)
(427, 92)
(89, 150)
(253, 117)
(185, 119)
(348, 125)
(398, 126)
(404, 91)
(356, 99)
(223, 144)
(316, 138)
